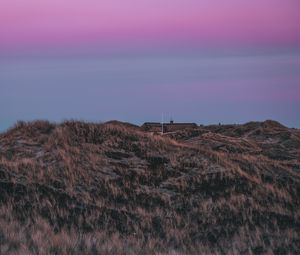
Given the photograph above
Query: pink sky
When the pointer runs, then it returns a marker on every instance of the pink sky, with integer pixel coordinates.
(47, 23)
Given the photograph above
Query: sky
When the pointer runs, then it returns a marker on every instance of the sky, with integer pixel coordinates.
(206, 61)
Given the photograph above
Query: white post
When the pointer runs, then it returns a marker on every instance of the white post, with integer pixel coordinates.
(162, 123)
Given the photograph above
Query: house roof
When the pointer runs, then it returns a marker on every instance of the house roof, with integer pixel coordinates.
(168, 124)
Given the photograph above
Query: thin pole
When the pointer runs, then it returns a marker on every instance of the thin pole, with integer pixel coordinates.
(162, 123)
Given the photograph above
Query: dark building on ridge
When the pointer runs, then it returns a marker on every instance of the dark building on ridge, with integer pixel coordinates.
(167, 127)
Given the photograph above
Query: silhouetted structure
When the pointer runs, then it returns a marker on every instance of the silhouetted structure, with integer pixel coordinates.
(167, 127)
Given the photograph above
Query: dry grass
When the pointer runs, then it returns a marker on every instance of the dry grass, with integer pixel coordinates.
(86, 188)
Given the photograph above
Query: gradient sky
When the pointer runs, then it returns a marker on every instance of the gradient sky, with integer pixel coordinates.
(205, 61)
(35, 23)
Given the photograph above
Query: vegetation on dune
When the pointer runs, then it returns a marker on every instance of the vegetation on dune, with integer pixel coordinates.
(86, 188)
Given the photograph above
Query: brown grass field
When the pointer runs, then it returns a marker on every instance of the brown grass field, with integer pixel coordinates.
(86, 188)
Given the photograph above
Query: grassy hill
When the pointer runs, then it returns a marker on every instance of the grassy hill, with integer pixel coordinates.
(85, 188)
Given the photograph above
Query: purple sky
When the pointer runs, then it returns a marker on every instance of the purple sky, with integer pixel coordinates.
(48, 23)
(204, 61)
